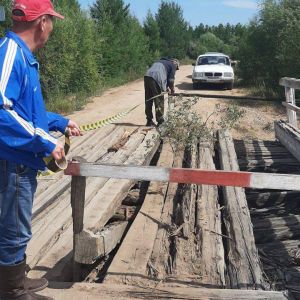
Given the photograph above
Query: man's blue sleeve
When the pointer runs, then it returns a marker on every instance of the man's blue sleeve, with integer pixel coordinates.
(19, 129)
(56, 122)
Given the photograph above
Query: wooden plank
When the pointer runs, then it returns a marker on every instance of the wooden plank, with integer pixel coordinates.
(107, 201)
(55, 263)
(290, 98)
(77, 144)
(281, 261)
(159, 266)
(136, 249)
(286, 209)
(125, 213)
(281, 253)
(266, 199)
(69, 290)
(103, 206)
(267, 230)
(218, 96)
(58, 184)
(290, 82)
(60, 211)
(289, 137)
(211, 250)
(244, 270)
(291, 106)
(90, 246)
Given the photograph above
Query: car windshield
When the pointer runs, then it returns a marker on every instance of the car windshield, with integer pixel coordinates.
(213, 60)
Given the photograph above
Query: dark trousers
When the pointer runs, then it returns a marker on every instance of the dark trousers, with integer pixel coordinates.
(152, 89)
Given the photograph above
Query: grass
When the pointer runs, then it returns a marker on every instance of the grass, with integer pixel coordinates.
(186, 61)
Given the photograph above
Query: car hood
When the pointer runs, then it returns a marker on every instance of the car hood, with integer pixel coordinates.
(213, 68)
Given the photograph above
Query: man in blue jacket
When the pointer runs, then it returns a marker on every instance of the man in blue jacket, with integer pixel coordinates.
(24, 140)
(158, 79)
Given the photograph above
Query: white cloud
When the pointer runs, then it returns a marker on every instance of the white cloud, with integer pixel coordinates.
(241, 4)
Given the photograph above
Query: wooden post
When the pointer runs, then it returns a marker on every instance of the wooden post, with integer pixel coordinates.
(290, 98)
(78, 185)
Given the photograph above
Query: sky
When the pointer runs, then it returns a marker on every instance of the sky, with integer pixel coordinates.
(208, 12)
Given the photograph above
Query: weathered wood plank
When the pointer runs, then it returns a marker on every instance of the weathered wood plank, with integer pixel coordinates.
(62, 291)
(219, 96)
(124, 213)
(108, 199)
(289, 137)
(90, 246)
(244, 269)
(266, 199)
(290, 99)
(267, 229)
(281, 253)
(136, 249)
(287, 209)
(211, 250)
(61, 209)
(291, 106)
(58, 183)
(281, 260)
(55, 263)
(290, 82)
(160, 262)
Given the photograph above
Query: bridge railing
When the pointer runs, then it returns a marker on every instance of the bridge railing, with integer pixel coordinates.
(290, 85)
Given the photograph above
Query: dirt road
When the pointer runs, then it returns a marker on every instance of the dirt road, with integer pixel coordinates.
(257, 122)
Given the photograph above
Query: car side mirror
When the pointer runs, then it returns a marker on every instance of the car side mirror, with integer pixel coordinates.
(233, 63)
(193, 64)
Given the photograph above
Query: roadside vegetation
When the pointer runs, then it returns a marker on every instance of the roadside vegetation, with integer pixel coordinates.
(184, 127)
(107, 46)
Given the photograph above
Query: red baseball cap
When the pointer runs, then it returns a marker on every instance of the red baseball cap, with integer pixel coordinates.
(29, 10)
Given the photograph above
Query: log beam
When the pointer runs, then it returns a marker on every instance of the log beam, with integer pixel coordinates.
(244, 269)
(69, 290)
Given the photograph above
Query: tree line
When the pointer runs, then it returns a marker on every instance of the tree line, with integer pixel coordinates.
(106, 45)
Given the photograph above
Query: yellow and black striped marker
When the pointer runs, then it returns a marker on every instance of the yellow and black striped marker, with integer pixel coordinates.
(54, 166)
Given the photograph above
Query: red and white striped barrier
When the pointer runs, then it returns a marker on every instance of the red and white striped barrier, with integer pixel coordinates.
(189, 176)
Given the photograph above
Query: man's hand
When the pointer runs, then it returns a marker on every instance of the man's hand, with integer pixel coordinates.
(59, 152)
(73, 129)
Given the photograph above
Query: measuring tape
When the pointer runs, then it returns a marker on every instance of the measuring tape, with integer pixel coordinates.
(54, 166)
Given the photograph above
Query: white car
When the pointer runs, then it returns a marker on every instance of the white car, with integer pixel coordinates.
(214, 68)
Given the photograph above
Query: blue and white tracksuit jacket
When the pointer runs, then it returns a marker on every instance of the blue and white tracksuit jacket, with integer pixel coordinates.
(24, 121)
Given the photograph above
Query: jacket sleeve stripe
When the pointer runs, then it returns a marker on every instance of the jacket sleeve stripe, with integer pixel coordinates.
(8, 64)
(7, 68)
(45, 135)
(3, 42)
(28, 127)
(31, 130)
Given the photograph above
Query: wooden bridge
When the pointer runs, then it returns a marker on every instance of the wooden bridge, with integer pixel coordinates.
(209, 239)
